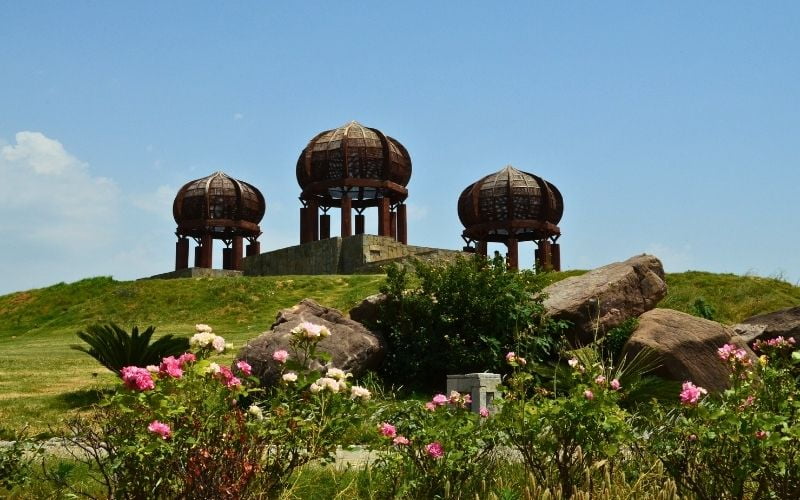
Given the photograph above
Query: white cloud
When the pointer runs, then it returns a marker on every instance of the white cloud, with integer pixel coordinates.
(158, 202)
(675, 259)
(238, 116)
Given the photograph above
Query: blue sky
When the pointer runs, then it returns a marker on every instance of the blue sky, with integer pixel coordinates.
(670, 127)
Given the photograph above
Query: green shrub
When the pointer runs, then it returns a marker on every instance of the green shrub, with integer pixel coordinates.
(459, 317)
(616, 338)
(703, 309)
(114, 348)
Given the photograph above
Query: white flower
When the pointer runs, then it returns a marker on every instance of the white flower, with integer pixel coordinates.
(324, 332)
(213, 368)
(342, 385)
(201, 339)
(201, 328)
(359, 392)
(289, 377)
(335, 373)
(255, 411)
(218, 343)
(152, 368)
(573, 362)
(328, 383)
(314, 388)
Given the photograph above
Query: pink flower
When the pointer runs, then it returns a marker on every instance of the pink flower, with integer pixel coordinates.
(692, 437)
(280, 356)
(430, 406)
(511, 356)
(600, 380)
(439, 400)
(588, 394)
(615, 385)
(225, 375)
(484, 412)
(573, 362)
(434, 449)
(244, 367)
(513, 359)
(387, 430)
(136, 378)
(726, 351)
(162, 430)
(761, 434)
(170, 366)
(186, 358)
(690, 394)
(401, 441)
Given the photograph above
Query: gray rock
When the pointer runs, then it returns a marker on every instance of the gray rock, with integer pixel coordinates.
(785, 322)
(368, 310)
(352, 347)
(686, 347)
(603, 298)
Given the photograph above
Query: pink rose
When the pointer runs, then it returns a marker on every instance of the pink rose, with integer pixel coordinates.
(484, 412)
(439, 400)
(434, 449)
(136, 378)
(430, 406)
(186, 358)
(690, 394)
(387, 430)
(244, 367)
(280, 356)
(162, 430)
(761, 434)
(615, 385)
(692, 437)
(401, 441)
(170, 366)
(225, 375)
(600, 380)
(588, 394)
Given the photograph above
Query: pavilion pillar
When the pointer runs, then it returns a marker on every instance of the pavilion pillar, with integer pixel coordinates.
(305, 233)
(198, 256)
(555, 256)
(402, 224)
(360, 223)
(393, 224)
(512, 258)
(324, 226)
(347, 206)
(384, 218)
(206, 247)
(226, 258)
(482, 247)
(182, 253)
(254, 248)
(313, 212)
(236, 253)
(544, 261)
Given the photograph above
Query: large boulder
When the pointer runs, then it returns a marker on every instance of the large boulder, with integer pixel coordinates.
(685, 345)
(785, 322)
(352, 347)
(602, 299)
(368, 310)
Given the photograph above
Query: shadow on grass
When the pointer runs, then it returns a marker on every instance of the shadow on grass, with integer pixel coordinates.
(83, 398)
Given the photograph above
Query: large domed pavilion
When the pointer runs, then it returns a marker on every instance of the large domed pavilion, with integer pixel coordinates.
(510, 206)
(217, 207)
(353, 167)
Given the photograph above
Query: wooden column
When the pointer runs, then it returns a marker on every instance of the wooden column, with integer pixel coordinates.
(360, 223)
(555, 256)
(402, 224)
(182, 253)
(324, 226)
(482, 248)
(313, 221)
(206, 247)
(384, 218)
(347, 205)
(226, 258)
(544, 256)
(254, 248)
(512, 258)
(305, 233)
(198, 256)
(236, 253)
(393, 224)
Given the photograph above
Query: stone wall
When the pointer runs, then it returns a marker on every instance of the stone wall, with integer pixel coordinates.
(362, 253)
(195, 272)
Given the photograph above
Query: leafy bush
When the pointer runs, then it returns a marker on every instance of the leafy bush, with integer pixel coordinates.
(114, 348)
(459, 317)
(616, 338)
(16, 458)
(703, 309)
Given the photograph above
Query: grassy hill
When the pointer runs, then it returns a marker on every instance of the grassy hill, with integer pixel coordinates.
(42, 379)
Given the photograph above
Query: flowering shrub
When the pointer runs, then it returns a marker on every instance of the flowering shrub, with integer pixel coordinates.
(426, 449)
(565, 434)
(744, 442)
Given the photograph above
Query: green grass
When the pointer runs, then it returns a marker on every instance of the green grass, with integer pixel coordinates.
(42, 380)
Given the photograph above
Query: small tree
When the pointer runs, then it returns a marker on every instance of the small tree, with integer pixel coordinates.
(114, 348)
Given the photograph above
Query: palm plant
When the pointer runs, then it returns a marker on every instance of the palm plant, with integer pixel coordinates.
(114, 348)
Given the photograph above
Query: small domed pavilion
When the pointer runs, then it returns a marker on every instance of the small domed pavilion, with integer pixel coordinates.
(510, 206)
(353, 167)
(217, 207)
